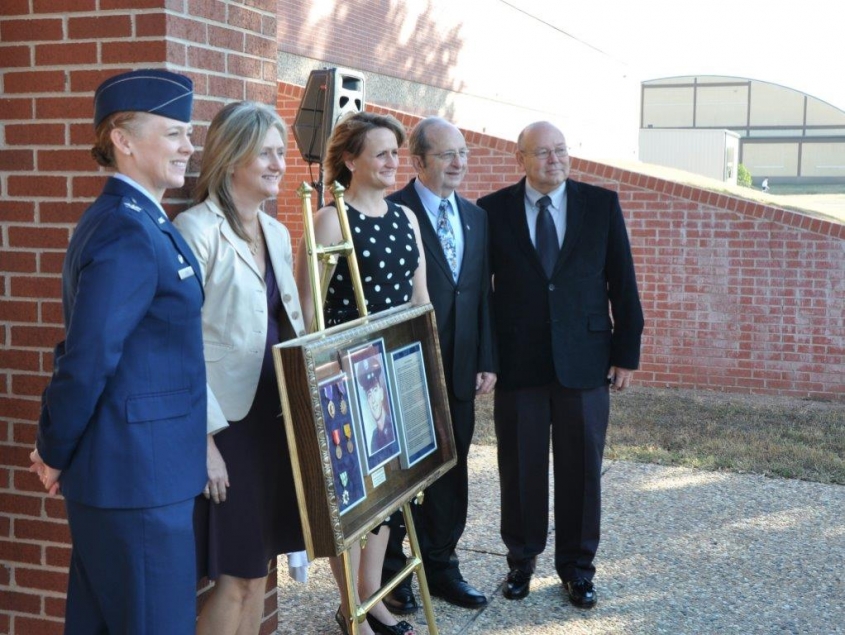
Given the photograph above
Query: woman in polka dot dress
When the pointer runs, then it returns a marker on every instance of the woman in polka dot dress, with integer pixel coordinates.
(363, 156)
(388, 257)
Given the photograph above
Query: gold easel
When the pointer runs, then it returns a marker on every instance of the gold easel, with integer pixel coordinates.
(321, 260)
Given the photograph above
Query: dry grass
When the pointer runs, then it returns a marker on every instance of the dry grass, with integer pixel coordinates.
(773, 436)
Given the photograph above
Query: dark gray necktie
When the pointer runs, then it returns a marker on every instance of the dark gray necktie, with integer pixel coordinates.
(545, 235)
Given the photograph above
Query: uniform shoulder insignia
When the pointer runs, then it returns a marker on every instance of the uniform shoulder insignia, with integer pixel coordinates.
(131, 205)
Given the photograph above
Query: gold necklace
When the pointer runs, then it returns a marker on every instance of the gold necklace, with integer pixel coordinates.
(256, 242)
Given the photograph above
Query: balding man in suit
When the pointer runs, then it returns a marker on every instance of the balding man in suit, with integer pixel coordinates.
(568, 324)
(454, 236)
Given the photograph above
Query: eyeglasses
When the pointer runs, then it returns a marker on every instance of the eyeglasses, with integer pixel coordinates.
(561, 152)
(450, 155)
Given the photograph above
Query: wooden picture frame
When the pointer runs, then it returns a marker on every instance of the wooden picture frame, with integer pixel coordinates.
(301, 365)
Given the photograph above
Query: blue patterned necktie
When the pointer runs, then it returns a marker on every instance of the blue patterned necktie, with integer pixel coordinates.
(545, 236)
(447, 237)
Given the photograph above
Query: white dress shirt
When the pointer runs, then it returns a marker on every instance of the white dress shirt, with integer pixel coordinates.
(431, 203)
(557, 210)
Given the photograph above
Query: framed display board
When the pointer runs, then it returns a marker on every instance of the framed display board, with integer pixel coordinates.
(367, 419)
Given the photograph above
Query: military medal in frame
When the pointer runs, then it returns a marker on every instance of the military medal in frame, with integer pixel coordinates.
(343, 442)
(368, 367)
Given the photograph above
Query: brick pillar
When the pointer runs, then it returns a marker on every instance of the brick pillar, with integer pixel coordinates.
(54, 56)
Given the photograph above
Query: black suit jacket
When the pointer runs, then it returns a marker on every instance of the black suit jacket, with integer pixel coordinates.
(583, 319)
(462, 308)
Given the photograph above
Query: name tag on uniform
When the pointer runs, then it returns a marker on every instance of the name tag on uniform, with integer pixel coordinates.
(186, 272)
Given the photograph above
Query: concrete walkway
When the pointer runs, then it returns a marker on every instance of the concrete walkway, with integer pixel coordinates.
(683, 552)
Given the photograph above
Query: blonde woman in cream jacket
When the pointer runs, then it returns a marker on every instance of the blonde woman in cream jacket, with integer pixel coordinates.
(248, 514)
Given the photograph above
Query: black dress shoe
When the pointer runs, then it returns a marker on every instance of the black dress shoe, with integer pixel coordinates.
(400, 628)
(460, 593)
(401, 600)
(581, 593)
(341, 621)
(517, 585)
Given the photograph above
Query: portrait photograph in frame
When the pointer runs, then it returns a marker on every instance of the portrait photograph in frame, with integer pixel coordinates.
(343, 441)
(368, 366)
(415, 418)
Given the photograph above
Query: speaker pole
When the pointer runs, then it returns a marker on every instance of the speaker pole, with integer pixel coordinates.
(319, 187)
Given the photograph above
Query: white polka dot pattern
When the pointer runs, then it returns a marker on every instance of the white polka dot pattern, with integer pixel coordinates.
(386, 268)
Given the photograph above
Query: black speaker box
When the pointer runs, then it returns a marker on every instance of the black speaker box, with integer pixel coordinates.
(329, 94)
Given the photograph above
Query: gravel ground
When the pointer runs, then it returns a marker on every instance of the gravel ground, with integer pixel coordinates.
(683, 552)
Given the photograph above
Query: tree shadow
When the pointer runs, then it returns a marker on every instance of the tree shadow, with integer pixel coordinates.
(413, 48)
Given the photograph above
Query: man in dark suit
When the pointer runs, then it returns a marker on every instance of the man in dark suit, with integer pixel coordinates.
(568, 324)
(454, 236)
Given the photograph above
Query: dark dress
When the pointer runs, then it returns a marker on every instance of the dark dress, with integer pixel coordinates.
(260, 517)
(387, 259)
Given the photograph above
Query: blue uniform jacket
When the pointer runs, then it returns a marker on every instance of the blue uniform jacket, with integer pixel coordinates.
(124, 413)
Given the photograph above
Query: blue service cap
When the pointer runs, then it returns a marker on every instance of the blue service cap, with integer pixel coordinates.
(148, 90)
(369, 372)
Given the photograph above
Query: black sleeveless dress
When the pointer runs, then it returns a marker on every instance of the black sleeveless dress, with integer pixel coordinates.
(387, 259)
(260, 517)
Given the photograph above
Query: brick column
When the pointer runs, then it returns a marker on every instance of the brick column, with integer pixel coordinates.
(54, 56)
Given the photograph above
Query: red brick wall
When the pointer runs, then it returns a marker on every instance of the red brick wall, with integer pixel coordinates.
(738, 296)
(54, 55)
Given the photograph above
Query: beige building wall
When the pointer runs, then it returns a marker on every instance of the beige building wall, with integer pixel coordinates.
(721, 106)
(820, 113)
(669, 107)
(773, 106)
(785, 135)
(823, 159)
(484, 64)
(771, 159)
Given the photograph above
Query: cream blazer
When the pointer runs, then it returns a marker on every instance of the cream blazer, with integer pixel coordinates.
(234, 315)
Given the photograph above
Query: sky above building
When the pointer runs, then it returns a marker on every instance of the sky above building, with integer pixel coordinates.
(798, 45)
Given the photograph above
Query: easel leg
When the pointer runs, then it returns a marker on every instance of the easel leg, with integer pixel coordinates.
(416, 555)
(358, 612)
(349, 573)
